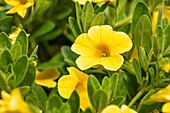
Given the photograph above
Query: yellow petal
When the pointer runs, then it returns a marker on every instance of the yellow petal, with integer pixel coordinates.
(126, 109)
(122, 43)
(47, 83)
(84, 46)
(48, 74)
(166, 108)
(13, 10)
(5, 96)
(82, 2)
(66, 85)
(75, 73)
(85, 62)
(29, 3)
(112, 63)
(12, 2)
(166, 68)
(111, 109)
(85, 103)
(22, 12)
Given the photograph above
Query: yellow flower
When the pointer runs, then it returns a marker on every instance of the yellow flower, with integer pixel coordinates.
(101, 46)
(47, 77)
(166, 68)
(20, 6)
(166, 108)
(15, 34)
(162, 95)
(166, 13)
(82, 2)
(116, 109)
(77, 80)
(13, 103)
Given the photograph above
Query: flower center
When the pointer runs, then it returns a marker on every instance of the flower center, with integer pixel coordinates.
(103, 54)
(23, 1)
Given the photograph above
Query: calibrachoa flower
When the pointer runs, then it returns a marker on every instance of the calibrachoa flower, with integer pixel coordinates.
(166, 68)
(116, 109)
(162, 95)
(20, 6)
(13, 103)
(82, 2)
(101, 46)
(166, 13)
(77, 80)
(15, 34)
(47, 77)
(166, 108)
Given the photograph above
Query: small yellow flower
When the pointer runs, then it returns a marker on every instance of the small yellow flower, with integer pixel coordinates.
(166, 13)
(13, 103)
(20, 6)
(166, 68)
(47, 77)
(77, 80)
(116, 109)
(166, 108)
(101, 46)
(15, 34)
(82, 2)
(162, 95)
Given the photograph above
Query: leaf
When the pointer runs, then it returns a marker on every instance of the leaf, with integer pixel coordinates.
(98, 19)
(74, 102)
(159, 31)
(69, 56)
(92, 86)
(83, 15)
(88, 111)
(125, 28)
(155, 46)
(3, 83)
(29, 77)
(148, 108)
(24, 90)
(78, 15)
(143, 33)
(5, 41)
(139, 10)
(118, 101)
(165, 22)
(20, 69)
(137, 69)
(74, 27)
(101, 8)
(63, 13)
(100, 100)
(16, 51)
(5, 20)
(159, 20)
(45, 27)
(167, 38)
(22, 39)
(65, 108)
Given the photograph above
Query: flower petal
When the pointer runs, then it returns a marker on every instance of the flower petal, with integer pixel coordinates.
(112, 63)
(22, 12)
(84, 46)
(122, 43)
(66, 85)
(111, 109)
(85, 102)
(47, 74)
(47, 83)
(126, 109)
(166, 108)
(85, 62)
(12, 2)
(13, 10)
(5, 96)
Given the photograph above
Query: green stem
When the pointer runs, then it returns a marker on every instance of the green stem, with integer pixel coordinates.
(122, 22)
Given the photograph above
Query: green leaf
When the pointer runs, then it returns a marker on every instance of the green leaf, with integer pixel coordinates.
(159, 20)
(65, 108)
(88, 111)
(92, 86)
(41, 95)
(74, 102)
(63, 13)
(98, 19)
(16, 51)
(125, 28)
(3, 83)
(88, 17)
(5, 59)
(101, 8)
(69, 56)
(53, 102)
(143, 33)
(159, 31)
(20, 69)
(155, 46)
(5, 41)
(137, 69)
(78, 15)
(83, 14)
(100, 100)
(22, 39)
(5, 20)
(148, 108)
(118, 101)
(29, 77)
(45, 27)
(74, 27)
(167, 38)
(144, 60)
(24, 90)
(165, 22)
(139, 10)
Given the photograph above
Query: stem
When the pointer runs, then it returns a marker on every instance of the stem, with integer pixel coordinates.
(122, 22)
